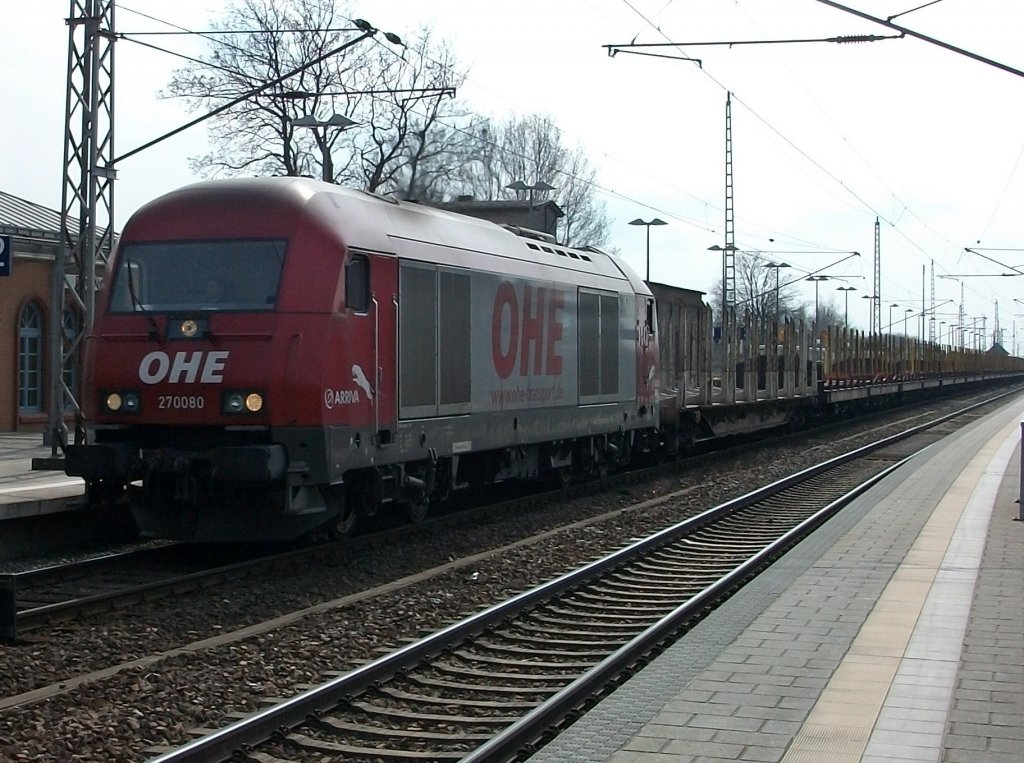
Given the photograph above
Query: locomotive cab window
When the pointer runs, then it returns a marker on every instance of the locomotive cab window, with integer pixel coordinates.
(219, 275)
(357, 284)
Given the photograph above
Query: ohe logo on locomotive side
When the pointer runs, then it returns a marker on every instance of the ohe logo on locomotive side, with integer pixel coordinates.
(527, 332)
(187, 367)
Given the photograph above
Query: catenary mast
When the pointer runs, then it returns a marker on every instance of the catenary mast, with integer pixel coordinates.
(87, 206)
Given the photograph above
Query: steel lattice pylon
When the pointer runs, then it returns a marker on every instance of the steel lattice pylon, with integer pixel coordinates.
(931, 320)
(961, 318)
(876, 306)
(729, 254)
(87, 205)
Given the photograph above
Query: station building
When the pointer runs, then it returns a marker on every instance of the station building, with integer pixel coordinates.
(540, 216)
(33, 233)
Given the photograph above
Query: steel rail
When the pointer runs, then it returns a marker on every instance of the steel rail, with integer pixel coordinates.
(262, 725)
(534, 724)
(12, 618)
(12, 584)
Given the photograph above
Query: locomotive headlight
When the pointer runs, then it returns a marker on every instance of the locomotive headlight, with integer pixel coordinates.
(122, 402)
(233, 402)
(241, 401)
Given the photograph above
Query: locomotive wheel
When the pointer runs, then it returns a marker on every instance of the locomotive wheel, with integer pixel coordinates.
(417, 509)
(344, 521)
(564, 477)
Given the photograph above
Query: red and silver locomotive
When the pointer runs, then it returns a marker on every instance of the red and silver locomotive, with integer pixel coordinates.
(276, 355)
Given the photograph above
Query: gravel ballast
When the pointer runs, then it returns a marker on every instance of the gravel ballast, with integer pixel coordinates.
(190, 671)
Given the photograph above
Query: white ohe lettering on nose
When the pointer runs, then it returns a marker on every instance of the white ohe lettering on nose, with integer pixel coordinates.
(158, 366)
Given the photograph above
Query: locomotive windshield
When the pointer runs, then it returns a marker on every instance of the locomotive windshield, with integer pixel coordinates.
(198, 275)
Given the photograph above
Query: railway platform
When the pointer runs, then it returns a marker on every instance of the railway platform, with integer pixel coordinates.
(894, 633)
(25, 492)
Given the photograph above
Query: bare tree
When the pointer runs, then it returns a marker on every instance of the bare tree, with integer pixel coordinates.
(756, 292)
(531, 149)
(376, 117)
(829, 312)
(585, 221)
(387, 106)
(410, 139)
(259, 41)
(480, 174)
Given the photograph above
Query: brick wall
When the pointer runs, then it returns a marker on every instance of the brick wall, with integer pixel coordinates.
(29, 282)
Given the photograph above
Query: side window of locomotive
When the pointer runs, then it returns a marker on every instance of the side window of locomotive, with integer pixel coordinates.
(417, 340)
(598, 345)
(434, 337)
(357, 283)
(589, 343)
(609, 344)
(127, 285)
(651, 317)
(454, 320)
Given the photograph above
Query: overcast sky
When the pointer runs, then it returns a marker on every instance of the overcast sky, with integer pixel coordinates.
(826, 137)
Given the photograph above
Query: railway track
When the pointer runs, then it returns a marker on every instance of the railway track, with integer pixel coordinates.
(46, 595)
(490, 686)
(35, 598)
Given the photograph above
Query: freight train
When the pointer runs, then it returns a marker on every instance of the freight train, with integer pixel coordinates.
(274, 357)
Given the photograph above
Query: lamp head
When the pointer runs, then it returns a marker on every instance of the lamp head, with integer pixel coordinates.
(340, 120)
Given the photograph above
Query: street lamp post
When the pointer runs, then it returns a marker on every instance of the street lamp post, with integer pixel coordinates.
(1016, 350)
(846, 303)
(906, 338)
(952, 330)
(962, 318)
(647, 224)
(871, 312)
(817, 280)
(727, 296)
(890, 315)
(776, 265)
(319, 128)
(540, 185)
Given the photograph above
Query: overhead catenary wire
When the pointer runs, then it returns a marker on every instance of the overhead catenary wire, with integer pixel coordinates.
(843, 185)
(695, 222)
(609, 192)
